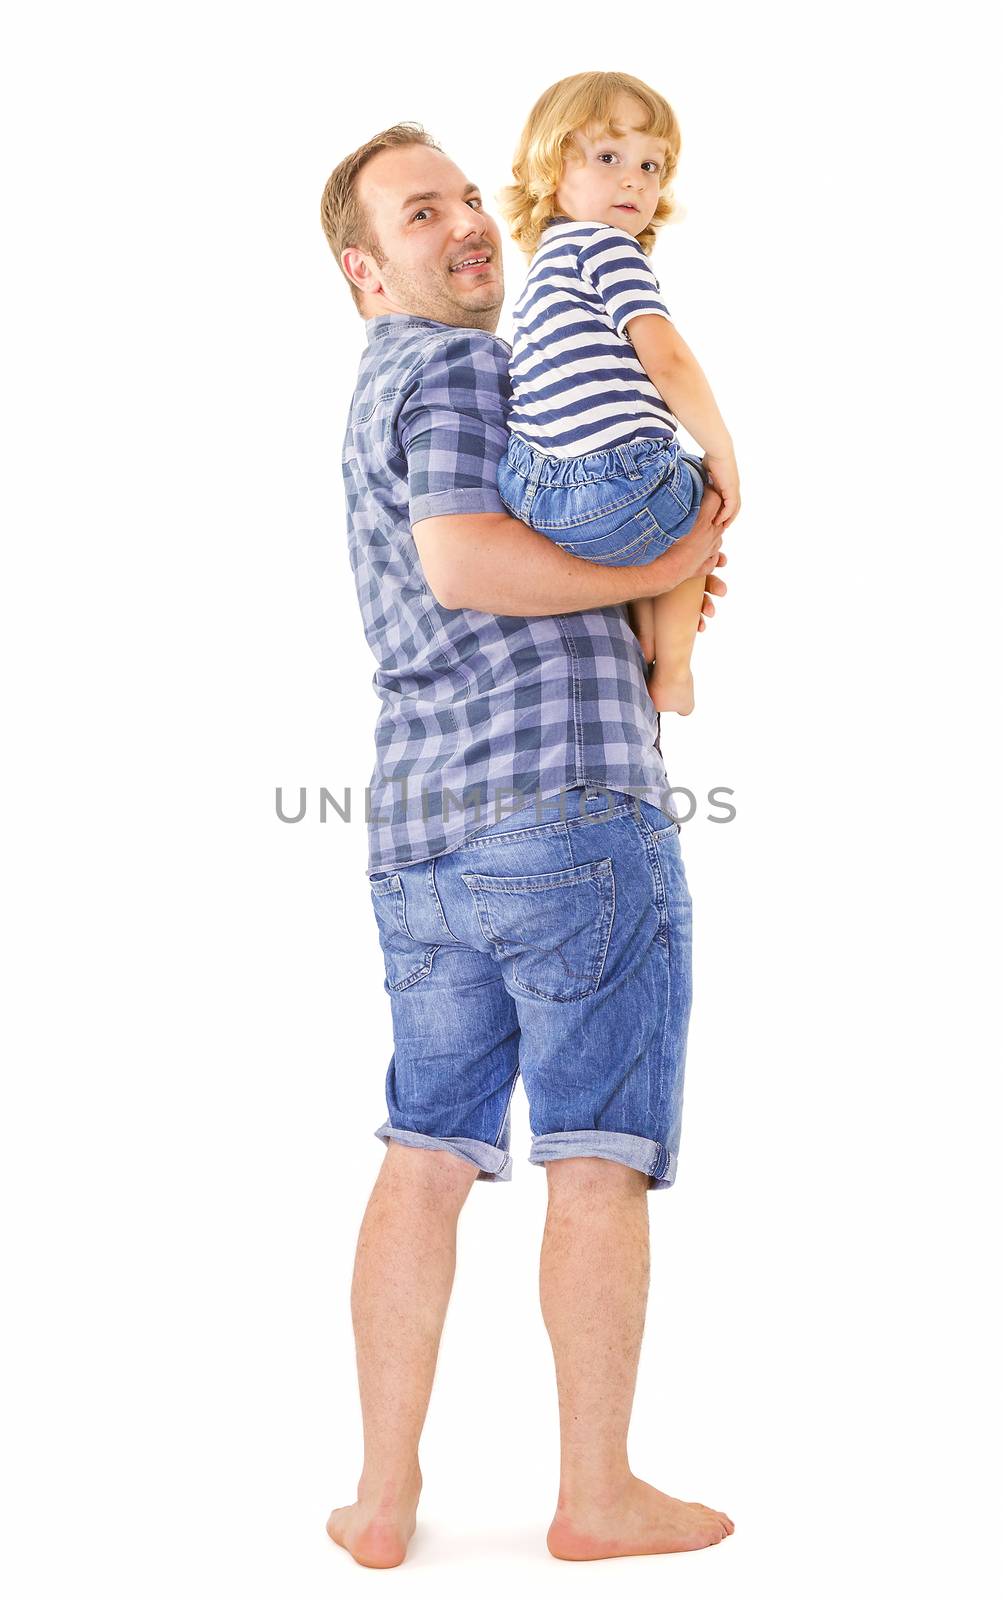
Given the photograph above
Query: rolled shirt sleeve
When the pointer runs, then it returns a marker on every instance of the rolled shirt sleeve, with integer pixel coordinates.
(615, 267)
(451, 426)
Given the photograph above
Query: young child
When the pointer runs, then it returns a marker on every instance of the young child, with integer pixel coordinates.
(599, 374)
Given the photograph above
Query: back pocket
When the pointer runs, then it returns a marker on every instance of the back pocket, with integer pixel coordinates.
(550, 931)
(625, 546)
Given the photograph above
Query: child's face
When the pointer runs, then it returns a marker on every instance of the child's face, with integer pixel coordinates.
(617, 177)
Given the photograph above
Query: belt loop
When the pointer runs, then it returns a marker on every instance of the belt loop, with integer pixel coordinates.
(533, 483)
(629, 465)
(434, 892)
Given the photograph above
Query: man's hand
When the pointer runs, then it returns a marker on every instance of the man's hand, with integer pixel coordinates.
(697, 551)
(713, 586)
(642, 612)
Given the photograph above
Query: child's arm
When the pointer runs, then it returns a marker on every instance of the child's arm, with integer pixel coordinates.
(679, 379)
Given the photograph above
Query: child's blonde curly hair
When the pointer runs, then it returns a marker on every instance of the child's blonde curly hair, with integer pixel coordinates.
(574, 105)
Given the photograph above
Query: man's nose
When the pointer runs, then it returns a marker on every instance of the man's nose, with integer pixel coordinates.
(467, 223)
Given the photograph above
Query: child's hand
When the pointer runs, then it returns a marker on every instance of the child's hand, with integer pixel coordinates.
(723, 472)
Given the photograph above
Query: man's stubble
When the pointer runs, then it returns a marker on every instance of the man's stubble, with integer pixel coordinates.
(430, 297)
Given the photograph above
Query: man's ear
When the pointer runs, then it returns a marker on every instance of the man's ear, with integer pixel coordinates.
(361, 270)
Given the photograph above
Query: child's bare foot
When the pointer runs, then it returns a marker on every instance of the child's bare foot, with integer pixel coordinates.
(375, 1530)
(672, 692)
(636, 1521)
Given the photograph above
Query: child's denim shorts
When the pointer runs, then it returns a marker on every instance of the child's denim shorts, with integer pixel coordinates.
(554, 946)
(622, 507)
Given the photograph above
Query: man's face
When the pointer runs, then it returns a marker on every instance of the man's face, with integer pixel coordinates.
(442, 252)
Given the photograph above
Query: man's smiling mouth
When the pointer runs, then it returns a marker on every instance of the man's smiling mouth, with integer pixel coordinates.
(470, 262)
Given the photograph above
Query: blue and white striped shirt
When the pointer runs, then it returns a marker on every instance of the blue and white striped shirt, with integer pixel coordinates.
(577, 385)
(472, 705)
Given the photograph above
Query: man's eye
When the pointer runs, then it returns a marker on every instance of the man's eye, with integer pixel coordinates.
(475, 201)
(419, 214)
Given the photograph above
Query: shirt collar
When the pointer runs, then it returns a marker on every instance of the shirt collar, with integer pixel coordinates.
(396, 322)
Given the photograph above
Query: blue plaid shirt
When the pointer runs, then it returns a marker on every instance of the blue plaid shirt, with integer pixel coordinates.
(472, 706)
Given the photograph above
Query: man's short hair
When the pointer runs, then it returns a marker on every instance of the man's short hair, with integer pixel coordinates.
(344, 220)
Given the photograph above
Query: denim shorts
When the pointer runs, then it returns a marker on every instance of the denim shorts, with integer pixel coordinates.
(622, 507)
(554, 945)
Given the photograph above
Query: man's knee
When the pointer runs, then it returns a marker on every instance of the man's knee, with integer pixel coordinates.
(433, 1172)
(570, 1174)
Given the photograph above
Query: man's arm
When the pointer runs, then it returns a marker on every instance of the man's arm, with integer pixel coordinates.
(492, 562)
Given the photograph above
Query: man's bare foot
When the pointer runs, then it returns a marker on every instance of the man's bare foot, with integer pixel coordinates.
(673, 693)
(376, 1530)
(637, 1521)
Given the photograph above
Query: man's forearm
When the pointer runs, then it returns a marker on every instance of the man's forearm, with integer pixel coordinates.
(500, 565)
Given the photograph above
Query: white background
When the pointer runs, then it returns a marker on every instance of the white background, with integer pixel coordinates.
(198, 1034)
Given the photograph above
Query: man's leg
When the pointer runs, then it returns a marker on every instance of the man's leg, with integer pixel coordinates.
(594, 1270)
(404, 1267)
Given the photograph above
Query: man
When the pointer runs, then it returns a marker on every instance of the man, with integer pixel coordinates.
(504, 665)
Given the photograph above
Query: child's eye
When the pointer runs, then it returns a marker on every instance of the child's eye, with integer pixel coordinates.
(607, 156)
(653, 165)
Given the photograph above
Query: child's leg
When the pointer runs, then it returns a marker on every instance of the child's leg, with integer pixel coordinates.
(677, 616)
(642, 620)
